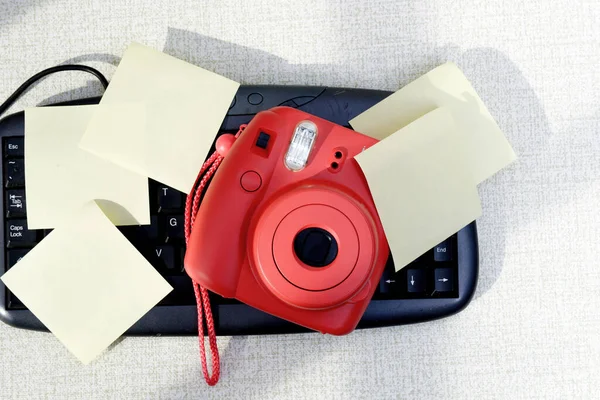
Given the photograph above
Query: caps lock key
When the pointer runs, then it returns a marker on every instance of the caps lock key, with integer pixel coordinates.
(17, 234)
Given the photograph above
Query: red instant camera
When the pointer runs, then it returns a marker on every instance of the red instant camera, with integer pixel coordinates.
(288, 224)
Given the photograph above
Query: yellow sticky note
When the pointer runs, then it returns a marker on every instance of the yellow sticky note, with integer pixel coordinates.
(86, 283)
(421, 185)
(169, 138)
(486, 149)
(129, 147)
(60, 177)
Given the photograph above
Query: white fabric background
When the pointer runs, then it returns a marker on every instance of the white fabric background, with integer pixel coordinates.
(533, 329)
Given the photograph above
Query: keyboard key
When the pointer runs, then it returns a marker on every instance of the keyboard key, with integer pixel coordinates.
(388, 282)
(15, 173)
(166, 254)
(152, 229)
(182, 258)
(14, 256)
(174, 227)
(183, 291)
(17, 234)
(15, 203)
(13, 302)
(415, 280)
(14, 147)
(169, 198)
(443, 251)
(444, 279)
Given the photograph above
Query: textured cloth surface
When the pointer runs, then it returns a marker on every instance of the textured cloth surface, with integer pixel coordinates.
(533, 328)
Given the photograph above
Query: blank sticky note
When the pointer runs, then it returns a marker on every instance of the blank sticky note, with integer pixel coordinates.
(486, 149)
(60, 177)
(183, 108)
(86, 283)
(423, 189)
(113, 118)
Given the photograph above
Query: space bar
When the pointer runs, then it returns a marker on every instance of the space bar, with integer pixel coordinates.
(183, 293)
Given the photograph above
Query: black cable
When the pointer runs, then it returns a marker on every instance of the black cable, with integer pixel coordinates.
(59, 68)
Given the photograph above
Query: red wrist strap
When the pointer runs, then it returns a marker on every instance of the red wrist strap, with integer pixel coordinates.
(192, 204)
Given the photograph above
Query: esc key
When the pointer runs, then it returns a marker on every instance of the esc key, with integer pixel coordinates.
(14, 147)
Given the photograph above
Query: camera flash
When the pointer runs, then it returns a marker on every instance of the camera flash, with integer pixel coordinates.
(301, 145)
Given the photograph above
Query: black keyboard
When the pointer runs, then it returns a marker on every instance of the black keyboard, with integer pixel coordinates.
(439, 283)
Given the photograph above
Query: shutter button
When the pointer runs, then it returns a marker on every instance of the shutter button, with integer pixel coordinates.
(250, 181)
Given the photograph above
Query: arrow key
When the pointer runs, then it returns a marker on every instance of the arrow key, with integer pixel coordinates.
(415, 280)
(444, 279)
(389, 282)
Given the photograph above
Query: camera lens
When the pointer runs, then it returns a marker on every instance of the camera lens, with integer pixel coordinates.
(315, 247)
